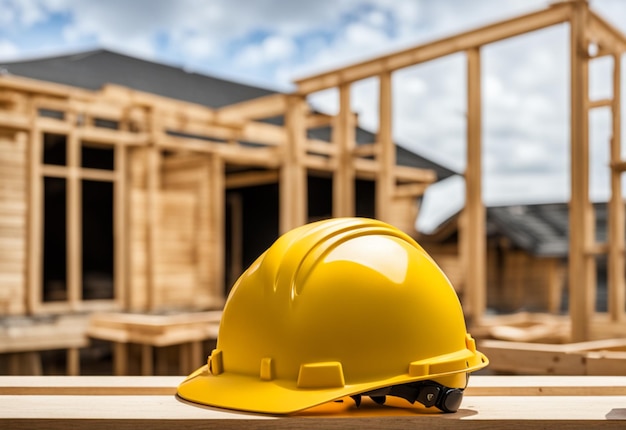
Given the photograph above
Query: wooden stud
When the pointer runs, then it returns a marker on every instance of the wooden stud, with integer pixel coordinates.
(293, 193)
(217, 226)
(474, 230)
(617, 243)
(74, 217)
(35, 216)
(581, 266)
(120, 227)
(385, 180)
(344, 199)
(120, 358)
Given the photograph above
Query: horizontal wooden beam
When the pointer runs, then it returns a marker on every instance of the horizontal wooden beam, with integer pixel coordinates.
(321, 147)
(318, 120)
(248, 179)
(131, 402)
(608, 37)
(410, 190)
(320, 163)
(555, 14)
(262, 107)
(479, 385)
(600, 103)
(366, 150)
(413, 174)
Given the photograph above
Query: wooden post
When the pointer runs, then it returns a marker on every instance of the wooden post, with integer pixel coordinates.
(152, 218)
(217, 194)
(474, 212)
(74, 216)
(120, 224)
(35, 215)
(616, 266)
(293, 192)
(581, 267)
(385, 180)
(344, 199)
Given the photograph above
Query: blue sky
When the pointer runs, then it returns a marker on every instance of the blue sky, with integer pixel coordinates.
(272, 42)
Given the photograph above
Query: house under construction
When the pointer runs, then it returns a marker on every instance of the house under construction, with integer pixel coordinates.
(114, 197)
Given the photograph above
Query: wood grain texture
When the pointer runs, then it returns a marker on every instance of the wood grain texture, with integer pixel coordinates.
(498, 402)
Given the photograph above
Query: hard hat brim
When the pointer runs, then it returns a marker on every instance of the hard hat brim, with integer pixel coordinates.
(279, 397)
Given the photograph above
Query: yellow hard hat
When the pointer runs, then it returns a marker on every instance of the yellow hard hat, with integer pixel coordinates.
(340, 307)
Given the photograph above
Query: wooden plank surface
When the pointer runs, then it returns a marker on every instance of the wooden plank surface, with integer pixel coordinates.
(495, 402)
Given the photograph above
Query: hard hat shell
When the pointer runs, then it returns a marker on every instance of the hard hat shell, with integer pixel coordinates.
(334, 308)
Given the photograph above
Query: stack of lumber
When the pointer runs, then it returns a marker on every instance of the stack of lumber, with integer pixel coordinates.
(22, 338)
(186, 331)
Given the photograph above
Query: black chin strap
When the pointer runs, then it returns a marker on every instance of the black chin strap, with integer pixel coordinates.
(428, 393)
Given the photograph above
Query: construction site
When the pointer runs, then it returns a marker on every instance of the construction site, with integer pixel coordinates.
(127, 215)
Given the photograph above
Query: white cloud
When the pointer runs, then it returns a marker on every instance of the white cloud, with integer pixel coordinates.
(8, 50)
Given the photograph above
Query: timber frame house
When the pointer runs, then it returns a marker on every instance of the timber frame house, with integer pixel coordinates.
(154, 133)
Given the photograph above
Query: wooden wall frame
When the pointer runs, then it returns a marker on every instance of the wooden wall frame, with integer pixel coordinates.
(586, 28)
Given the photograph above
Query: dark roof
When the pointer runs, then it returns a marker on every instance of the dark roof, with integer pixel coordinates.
(541, 229)
(93, 69)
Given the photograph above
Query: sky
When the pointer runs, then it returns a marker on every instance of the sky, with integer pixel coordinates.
(271, 43)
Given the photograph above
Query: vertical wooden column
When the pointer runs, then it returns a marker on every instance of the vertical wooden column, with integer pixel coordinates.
(293, 194)
(152, 210)
(120, 223)
(474, 213)
(74, 216)
(616, 266)
(217, 228)
(385, 180)
(35, 214)
(344, 199)
(580, 267)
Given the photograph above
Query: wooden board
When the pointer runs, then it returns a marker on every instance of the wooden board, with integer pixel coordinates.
(135, 402)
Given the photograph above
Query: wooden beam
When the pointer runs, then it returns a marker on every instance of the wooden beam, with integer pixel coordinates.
(581, 235)
(249, 179)
(74, 218)
(410, 190)
(267, 134)
(385, 180)
(366, 150)
(414, 174)
(35, 216)
(555, 14)
(474, 228)
(608, 37)
(617, 218)
(120, 226)
(322, 147)
(572, 402)
(593, 104)
(217, 205)
(344, 198)
(262, 107)
(293, 193)
(318, 120)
